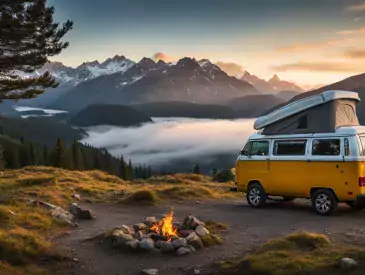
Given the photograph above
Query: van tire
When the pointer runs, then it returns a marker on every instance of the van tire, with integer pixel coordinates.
(256, 195)
(324, 202)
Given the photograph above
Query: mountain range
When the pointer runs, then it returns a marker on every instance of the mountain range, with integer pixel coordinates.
(121, 81)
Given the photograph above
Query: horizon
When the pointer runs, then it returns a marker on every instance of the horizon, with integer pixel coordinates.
(308, 43)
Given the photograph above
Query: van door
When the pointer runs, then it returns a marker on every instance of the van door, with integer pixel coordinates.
(253, 163)
(327, 165)
(288, 167)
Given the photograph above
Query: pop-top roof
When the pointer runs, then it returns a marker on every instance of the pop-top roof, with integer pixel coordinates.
(302, 105)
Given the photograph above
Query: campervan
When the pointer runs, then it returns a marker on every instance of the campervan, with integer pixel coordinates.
(312, 148)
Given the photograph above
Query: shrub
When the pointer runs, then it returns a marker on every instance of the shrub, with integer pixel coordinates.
(143, 197)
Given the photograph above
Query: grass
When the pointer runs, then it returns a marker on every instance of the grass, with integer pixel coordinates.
(25, 229)
(302, 253)
(211, 240)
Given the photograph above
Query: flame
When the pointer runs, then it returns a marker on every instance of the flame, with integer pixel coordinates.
(165, 227)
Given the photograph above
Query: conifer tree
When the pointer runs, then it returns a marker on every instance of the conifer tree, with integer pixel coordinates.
(45, 155)
(123, 169)
(130, 170)
(58, 155)
(196, 169)
(28, 36)
(149, 174)
(32, 155)
(76, 155)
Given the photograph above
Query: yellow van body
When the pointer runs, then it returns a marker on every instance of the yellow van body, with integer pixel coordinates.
(299, 176)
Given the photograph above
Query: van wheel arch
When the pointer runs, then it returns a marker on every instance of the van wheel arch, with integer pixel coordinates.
(251, 182)
(315, 189)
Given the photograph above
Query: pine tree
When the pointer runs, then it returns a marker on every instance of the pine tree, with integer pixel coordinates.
(149, 174)
(58, 155)
(123, 169)
(76, 155)
(130, 170)
(32, 155)
(28, 36)
(45, 156)
(196, 169)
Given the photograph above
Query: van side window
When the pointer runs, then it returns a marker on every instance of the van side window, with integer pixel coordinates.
(290, 147)
(326, 147)
(347, 147)
(257, 148)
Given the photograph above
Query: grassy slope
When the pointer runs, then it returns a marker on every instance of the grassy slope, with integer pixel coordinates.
(25, 230)
(301, 253)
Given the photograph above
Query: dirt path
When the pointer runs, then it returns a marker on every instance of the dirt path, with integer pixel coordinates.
(247, 228)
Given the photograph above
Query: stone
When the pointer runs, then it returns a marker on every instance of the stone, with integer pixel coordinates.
(76, 196)
(139, 226)
(182, 251)
(191, 222)
(194, 240)
(201, 231)
(147, 244)
(196, 271)
(166, 247)
(348, 263)
(127, 229)
(157, 237)
(80, 213)
(185, 232)
(192, 249)
(74, 209)
(133, 244)
(149, 221)
(152, 271)
(119, 238)
(140, 234)
(179, 243)
(62, 215)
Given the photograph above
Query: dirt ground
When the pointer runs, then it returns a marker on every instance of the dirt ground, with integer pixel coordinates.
(247, 228)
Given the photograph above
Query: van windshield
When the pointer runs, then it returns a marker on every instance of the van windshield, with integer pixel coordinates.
(362, 138)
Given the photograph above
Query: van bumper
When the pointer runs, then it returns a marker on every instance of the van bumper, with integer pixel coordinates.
(360, 200)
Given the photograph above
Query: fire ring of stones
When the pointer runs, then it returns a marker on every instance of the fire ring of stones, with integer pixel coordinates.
(163, 235)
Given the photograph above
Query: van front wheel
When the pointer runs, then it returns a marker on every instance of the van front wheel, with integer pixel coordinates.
(256, 196)
(324, 202)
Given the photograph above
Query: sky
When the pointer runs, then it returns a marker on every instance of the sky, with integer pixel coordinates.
(309, 42)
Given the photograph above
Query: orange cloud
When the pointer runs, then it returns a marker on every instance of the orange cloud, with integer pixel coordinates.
(356, 54)
(313, 45)
(357, 7)
(231, 68)
(318, 66)
(161, 56)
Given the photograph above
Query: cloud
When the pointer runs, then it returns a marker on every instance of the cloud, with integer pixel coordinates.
(356, 7)
(169, 140)
(316, 66)
(356, 54)
(161, 56)
(357, 19)
(313, 45)
(231, 68)
(350, 32)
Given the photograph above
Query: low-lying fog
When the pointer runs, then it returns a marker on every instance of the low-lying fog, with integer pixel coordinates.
(176, 143)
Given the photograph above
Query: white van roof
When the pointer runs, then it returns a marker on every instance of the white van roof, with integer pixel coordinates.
(302, 105)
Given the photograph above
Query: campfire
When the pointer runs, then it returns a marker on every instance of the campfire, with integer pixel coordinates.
(166, 235)
(165, 227)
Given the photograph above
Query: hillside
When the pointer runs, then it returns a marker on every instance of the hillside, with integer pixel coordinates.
(253, 105)
(32, 226)
(115, 115)
(186, 109)
(42, 130)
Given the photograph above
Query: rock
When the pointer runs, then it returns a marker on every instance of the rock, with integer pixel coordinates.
(196, 271)
(149, 221)
(139, 226)
(76, 196)
(191, 222)
(192, 249)
(348, 263)
(177, 224)
(157, 237)
(194, 240)
(149, 272)
(119, 238)
(134, 244)
(201, 231)
(166, 247)
(80, 213)
(62, 215)
(127, 229)
(185, 232)
(182, 251)
(179, 243)
(147, 244)
(140, 234)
